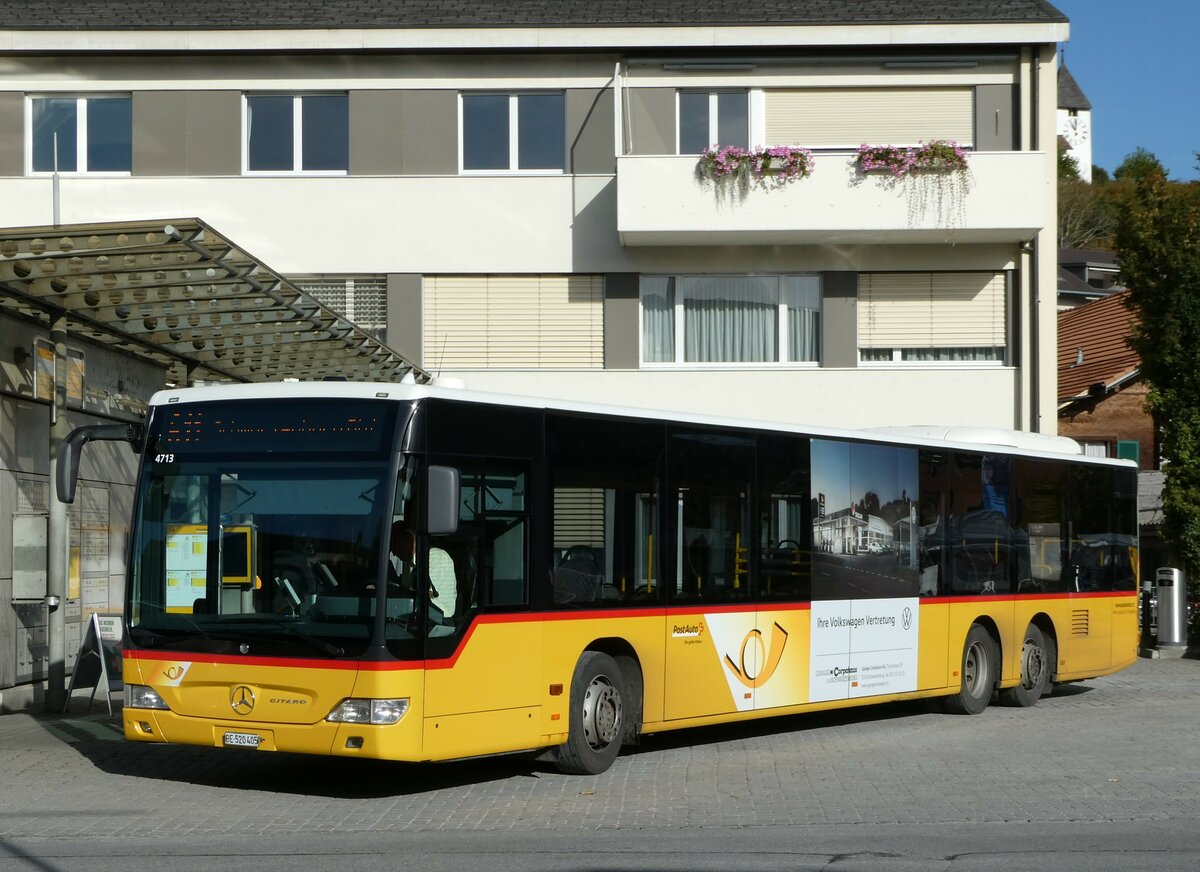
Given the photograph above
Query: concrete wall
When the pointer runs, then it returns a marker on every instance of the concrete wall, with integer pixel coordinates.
(863, 397)
(115, 388)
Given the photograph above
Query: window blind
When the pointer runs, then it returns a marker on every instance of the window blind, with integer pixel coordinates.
(849, 117)
(931, 310)
(550, 321)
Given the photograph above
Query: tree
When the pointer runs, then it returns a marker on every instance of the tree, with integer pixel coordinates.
(1068, 166)
(1086, 218)
(1158, 248)
(1139, 164)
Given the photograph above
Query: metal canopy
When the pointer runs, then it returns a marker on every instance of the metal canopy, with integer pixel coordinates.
(183, 296)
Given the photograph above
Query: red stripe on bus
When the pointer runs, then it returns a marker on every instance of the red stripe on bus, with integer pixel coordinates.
(1024, 597)
(583, 615)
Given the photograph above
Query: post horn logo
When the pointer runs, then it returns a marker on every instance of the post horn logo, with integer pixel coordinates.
(774, 654)
(241, 700)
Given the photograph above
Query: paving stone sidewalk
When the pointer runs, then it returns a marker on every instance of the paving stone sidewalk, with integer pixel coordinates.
(1121, 748)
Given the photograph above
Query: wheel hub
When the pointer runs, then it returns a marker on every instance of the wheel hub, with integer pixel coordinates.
(601, 713)
(1033, 664)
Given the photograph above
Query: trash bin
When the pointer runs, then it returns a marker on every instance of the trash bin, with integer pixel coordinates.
(1172, 608)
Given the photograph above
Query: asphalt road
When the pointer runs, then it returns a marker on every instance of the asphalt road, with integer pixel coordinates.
(1101, 776)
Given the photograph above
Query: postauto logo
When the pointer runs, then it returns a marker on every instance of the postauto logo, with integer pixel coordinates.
(752, 644)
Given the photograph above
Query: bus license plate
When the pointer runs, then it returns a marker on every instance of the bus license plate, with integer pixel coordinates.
(243, 740)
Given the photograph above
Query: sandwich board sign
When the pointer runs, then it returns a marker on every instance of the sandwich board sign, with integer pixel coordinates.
(99, 659)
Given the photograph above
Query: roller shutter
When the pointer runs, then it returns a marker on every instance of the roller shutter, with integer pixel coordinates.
(850, 117)
(549, 321)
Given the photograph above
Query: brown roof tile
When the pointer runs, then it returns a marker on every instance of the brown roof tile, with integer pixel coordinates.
(1100, 330)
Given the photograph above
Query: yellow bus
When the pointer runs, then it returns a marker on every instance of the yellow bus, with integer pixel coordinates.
(415, 573)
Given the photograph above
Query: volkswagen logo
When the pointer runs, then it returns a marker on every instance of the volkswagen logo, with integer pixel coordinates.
(241, 700)
(907, 617)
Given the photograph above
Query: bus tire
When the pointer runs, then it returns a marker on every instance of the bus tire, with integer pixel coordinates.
(979, 662)
(596, 721)
(1036, 667)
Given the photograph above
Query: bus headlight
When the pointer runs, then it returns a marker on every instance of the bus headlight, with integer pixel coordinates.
(141, 696)
(368, 711)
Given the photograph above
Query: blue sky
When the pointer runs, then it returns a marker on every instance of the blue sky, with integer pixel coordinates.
(1137, 64)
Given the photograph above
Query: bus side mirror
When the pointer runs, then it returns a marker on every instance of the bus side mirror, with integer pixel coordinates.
(67, 471)
(441, 500)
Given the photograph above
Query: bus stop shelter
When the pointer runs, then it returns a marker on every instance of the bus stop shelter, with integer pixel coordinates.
(177, 294)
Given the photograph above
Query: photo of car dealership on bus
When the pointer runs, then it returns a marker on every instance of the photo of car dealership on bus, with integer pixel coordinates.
(415, 573)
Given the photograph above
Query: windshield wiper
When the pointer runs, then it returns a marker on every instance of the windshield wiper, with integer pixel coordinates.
(236, 633)
(150, 638)
(239, 632)
(318, 643)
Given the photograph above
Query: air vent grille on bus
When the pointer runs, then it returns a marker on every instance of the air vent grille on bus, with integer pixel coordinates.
(1079, 622)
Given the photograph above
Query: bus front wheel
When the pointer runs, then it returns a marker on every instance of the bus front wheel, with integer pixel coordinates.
(979, 669)
(596, 723)
(1037, 664)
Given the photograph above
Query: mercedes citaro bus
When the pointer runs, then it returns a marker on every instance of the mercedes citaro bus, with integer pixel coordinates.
(416, 573)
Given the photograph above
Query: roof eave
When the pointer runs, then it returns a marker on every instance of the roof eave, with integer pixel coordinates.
(532, 38)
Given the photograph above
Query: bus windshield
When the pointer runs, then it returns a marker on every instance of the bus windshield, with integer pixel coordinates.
(261, 531)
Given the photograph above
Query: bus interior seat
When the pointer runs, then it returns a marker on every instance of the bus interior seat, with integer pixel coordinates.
(578, 576)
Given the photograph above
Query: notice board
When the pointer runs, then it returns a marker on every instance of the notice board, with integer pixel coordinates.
(99, 658)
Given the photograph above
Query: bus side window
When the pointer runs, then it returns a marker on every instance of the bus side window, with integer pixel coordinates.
(494, 520)
(604, 484)
(980, 536)
(709, 475)
(785, 518)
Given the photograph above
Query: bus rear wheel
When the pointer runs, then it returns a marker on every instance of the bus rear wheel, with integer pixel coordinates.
(1036, 667)
(979, 669)
(596, 723)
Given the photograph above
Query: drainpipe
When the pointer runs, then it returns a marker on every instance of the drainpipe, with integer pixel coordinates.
(1035, 285)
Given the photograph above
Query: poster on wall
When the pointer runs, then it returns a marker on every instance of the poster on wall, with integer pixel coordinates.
(76, 367)
(43, 370)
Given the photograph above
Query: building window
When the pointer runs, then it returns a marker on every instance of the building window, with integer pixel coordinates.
(713, 118)
(922, 317)
(513, 132)
(731, 319)
(360, 299)
(513, 321)
(90, 134)
(844, 118)
(306, 133)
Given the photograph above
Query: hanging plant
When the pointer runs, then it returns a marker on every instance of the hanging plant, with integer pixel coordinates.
(938, 156)
(766, 167)
(783, 163)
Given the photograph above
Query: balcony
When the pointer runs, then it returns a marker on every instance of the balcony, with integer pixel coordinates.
(660, 201)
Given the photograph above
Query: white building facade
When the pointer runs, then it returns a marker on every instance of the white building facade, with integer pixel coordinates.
(512, 199)
(1074, 122)
(509, 194)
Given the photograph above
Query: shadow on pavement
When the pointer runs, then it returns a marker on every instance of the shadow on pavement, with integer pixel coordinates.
(100, 739)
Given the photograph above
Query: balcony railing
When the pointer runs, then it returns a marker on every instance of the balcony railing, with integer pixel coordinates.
(1003, 198)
